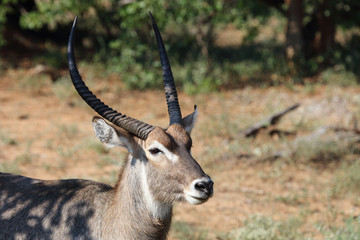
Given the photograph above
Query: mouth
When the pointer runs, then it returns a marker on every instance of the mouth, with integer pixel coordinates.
(195, 200)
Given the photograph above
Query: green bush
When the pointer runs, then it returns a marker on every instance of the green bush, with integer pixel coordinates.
(321, 150)
(347, 180)
(119, 35)
(350, 230)
(338, 76)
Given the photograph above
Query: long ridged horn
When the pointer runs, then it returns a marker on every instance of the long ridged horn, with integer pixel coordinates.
(169, 84)
(134, 126)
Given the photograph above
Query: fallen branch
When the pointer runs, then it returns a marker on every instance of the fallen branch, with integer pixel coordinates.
(253, 130)
(349, 130)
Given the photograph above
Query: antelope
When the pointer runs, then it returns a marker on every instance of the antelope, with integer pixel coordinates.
(159, 172)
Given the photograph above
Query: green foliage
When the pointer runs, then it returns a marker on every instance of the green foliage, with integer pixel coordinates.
(135, 55)
(5, 8)
(338, 76)
(258, 228)
(345, 11)
(124, 35)
(254, 64)
(183, 231)
(263, 228)
(347, 180)
(53, 13)
(121, 35)
(350, 230)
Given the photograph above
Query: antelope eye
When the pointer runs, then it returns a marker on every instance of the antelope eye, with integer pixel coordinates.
(155, 151)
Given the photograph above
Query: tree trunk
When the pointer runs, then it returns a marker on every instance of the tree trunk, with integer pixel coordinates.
(326, 27)
(294, 38)
(319, 33)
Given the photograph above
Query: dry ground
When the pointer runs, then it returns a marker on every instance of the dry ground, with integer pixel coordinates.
(45, 132)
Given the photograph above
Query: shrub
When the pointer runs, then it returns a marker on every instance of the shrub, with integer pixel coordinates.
(264, 228)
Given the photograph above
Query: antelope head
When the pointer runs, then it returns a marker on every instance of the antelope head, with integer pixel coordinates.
(172, 174)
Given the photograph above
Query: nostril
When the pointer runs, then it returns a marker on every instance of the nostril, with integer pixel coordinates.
(200, 186)
(205, 187)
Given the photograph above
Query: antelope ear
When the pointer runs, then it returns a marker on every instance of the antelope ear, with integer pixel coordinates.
(188, 122)
(112, 137)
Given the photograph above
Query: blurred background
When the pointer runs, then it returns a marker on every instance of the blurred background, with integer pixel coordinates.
(213, 44)
(279, 172)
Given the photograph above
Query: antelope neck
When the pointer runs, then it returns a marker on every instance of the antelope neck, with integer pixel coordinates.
(133, 200)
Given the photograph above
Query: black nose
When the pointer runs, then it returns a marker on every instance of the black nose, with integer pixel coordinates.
(205, 187)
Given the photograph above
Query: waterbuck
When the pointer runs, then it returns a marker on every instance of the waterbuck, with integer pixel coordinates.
(158, 172)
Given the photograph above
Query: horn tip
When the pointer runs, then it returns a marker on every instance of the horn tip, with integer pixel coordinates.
(75, 20)
(152, 18)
